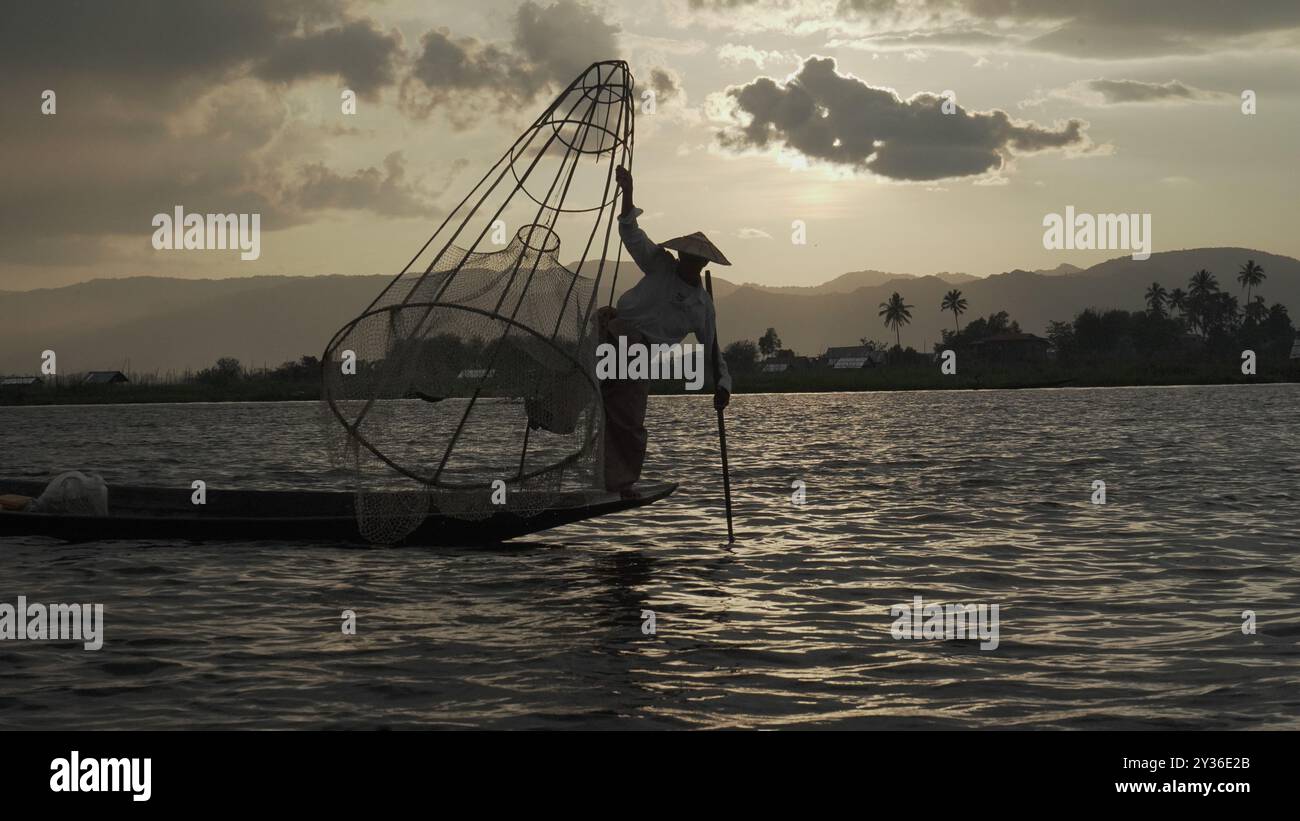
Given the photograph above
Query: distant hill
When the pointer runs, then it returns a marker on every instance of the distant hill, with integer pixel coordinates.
(628, 274)
(852, 281)
(1064, 269)
(157, 323)
(810, 324)
(162, 324)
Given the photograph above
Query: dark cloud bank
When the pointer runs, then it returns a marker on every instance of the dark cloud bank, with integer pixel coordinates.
(165, 102)
(1094, 29)
(842, 120)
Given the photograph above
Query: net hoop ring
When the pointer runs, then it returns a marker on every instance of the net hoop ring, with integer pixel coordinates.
(517, 154)
(557, 125)
(550, 245)
(430, 482)
(620, 88)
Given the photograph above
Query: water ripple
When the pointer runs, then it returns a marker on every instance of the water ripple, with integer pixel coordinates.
(1123, 615)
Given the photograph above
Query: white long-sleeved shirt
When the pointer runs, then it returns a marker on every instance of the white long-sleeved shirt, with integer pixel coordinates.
(661, 305)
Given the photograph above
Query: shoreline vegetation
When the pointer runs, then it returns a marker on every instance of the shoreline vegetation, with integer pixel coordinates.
(1200, 336)
(262, 388)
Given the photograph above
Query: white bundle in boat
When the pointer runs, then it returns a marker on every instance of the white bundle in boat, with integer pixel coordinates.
(73, 494)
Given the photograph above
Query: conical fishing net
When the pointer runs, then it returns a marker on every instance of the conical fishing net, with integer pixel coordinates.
(467, 388)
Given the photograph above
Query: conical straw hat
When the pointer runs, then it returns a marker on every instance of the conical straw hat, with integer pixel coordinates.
(697, 245)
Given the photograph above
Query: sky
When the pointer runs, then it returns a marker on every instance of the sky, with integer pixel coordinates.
(913, 136)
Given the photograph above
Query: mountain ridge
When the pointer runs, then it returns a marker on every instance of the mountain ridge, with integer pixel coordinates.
(169, 324)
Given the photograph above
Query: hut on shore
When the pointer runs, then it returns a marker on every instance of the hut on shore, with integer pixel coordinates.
(104, 378)
(20, 381)
(1012, 347)
(853, 356)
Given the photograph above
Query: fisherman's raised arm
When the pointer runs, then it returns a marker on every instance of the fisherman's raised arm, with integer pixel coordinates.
(648, 256)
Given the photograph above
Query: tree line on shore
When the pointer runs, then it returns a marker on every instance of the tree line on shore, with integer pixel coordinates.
(1177, 325)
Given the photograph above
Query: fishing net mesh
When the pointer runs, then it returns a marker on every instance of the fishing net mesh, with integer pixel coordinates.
(468, 387)
(473, 392)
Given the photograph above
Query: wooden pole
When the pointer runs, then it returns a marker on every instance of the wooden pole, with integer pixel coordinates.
(722, 425)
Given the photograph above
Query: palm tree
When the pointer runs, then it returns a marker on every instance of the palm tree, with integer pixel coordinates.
(1177, 299)
(952, 301)
(1202, 284)
(1220, 314)
(896, 314)
(1257, 310)
(1250, 276)
(1201, 287)
(1156, 297)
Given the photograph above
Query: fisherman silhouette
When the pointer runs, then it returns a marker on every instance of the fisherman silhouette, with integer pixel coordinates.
(662, 308)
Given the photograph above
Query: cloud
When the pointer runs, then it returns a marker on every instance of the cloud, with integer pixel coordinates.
(735, 54)
(163, 48)
(448, 68)
(561, 40)
(661, 45)
(1102, 92)
(358, 52)
(383, 192)
(753, 233)
(159, 39)
(1083, 29)
(106, 165)
(1136, 91)
(838, 119)
(1106, 29)
(550, 47)
(909, 39)
(163, 103)
(665, 83)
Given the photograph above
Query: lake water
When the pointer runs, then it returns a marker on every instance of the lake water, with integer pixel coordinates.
(1122, 615)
